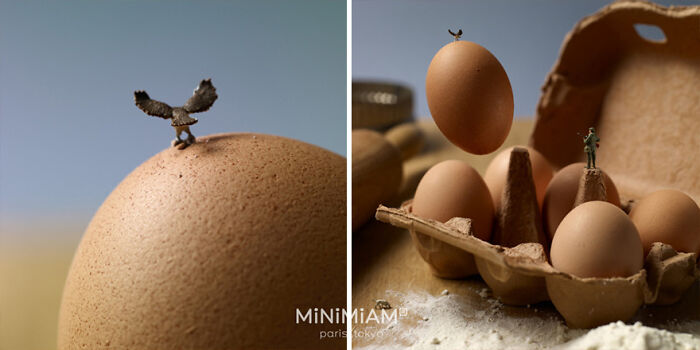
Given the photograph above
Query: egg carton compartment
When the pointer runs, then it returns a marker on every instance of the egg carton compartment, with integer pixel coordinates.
(522, 275)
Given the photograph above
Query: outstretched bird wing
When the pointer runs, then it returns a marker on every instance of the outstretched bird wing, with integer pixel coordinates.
(152, 107)
(203, 97)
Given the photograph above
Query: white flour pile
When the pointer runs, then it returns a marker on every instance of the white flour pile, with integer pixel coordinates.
(618, 335)
(449, 321)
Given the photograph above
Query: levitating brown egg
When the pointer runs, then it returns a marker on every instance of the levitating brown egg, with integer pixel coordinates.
(470, 97)
(213, 247)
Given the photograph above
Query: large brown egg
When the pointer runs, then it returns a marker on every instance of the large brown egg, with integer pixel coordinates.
(213, 247)
(452, 189)
(470, 97)
(497, 174)
(668, 216)
(561, 192)
(597, 239)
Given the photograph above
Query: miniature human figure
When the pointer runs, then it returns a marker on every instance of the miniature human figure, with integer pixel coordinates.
(202, 99)
(456, 35)
(591, 142)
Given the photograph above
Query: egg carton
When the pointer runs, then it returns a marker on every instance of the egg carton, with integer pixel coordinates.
(514, 263)
(640, 92)
(522, 275)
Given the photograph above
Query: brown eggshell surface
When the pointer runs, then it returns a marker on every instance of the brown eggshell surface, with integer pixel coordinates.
(668, 216)
(497, 174)
(561, 194)
(450, 189)
(213, 247)
(597, 239)
(470, 97)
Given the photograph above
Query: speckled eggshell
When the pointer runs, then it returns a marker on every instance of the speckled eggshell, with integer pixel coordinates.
(213, 247)
(560, 195)
(470, 97)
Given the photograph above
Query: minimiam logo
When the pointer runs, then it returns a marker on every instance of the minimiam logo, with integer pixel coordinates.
(340, 316)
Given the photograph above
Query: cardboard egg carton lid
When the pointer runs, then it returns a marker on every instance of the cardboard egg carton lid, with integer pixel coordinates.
(642, 96)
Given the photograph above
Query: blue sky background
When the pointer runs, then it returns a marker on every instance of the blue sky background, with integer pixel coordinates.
(69, 130)
(396, 39)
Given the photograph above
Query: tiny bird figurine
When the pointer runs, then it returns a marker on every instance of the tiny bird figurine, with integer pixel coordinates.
(456, 35)
(202, 99)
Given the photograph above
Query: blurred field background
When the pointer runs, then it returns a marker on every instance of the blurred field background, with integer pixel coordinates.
(32, 274)
(69, 130)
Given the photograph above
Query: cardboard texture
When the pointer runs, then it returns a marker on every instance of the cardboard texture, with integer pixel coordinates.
(591, 187)
(518, 221)
(445, 260)
(639, 95)
(670, 274)
(520, 273)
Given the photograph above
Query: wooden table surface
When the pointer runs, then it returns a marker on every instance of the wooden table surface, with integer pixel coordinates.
(385, 260)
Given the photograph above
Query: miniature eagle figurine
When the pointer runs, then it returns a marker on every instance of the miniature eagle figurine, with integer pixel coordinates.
(202, 99)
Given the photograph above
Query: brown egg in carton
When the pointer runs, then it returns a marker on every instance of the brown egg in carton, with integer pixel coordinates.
(516, 266)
